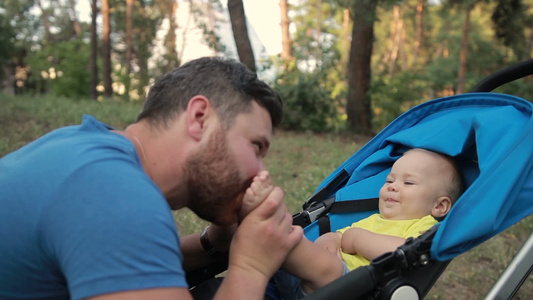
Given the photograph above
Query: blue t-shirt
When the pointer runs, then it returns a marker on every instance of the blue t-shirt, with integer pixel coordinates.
(79, 217)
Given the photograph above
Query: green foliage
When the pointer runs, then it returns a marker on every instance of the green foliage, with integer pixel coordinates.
(62, 67)
(308, 104)
(147, 17)
(394, 95)
(7, 35)
(509, 18)
(314, 88)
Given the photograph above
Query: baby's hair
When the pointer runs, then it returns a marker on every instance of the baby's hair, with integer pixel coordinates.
(457, 183)
(454, 177)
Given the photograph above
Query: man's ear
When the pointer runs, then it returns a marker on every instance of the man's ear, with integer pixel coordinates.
(442, 207)
(198, 110)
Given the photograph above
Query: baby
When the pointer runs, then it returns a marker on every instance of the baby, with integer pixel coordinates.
(419, 190)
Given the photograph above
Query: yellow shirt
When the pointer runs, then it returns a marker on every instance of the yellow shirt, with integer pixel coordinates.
(400, 228)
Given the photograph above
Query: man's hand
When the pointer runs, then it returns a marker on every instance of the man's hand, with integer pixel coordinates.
(260, 246)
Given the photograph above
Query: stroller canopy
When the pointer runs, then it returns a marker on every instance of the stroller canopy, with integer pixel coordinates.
(489, 135)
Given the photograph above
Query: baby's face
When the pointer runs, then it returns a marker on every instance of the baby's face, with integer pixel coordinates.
(412, 187)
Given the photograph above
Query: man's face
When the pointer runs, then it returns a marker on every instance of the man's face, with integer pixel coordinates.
(219, 173)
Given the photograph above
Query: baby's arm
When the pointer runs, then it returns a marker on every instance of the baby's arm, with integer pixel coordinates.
(368, 244)
(257, 192)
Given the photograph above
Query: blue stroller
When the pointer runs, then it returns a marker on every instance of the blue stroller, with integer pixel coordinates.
(490, 135)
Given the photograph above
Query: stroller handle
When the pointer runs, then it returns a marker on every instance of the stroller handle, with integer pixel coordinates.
(504, 76)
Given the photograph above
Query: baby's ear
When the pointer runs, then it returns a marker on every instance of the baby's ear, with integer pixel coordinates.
(442, 207)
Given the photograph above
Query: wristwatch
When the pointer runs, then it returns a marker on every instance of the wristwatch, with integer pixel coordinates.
(206, 244)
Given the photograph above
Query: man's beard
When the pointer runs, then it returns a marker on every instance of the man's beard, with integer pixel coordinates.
(213, 182)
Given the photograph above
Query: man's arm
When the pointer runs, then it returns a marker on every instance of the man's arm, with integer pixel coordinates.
(259, 247)
(194, 255)
(368, 244)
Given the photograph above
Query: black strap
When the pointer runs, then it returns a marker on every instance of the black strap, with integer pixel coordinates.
(324, 224)
(354, 206)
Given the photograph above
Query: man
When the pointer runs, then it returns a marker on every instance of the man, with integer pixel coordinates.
(85, 209)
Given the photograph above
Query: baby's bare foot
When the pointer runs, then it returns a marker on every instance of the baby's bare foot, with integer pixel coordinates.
(257, 192)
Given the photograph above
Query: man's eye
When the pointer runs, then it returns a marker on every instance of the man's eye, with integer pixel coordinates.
(258, 147)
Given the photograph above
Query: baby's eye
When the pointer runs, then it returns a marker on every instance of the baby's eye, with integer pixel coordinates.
(408, 183)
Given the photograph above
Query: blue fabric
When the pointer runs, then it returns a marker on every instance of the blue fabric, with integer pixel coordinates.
(491, 137)
(79, 217)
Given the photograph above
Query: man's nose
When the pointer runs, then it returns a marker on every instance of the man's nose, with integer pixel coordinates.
(261, 165)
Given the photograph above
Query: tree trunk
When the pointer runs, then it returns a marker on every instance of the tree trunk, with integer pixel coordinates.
(8, 83)
(75, 22)
(395, 39)
(358, 103)
(318, 31)
(143, 51)
(129, 35)
(93, 65)
(170, 41)
(464, 53)
(286, 50)
(106, 48)
(346, 38)
(240, 33)
(46, 22)
(418, 39)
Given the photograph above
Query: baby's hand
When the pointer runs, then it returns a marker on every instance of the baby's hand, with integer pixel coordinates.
(257, 192)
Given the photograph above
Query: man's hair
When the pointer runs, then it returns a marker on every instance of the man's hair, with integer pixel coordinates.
(228, 84)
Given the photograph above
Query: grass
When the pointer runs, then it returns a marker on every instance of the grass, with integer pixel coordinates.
(298, 163)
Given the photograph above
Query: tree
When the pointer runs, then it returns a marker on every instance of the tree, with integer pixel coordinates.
(286, 52)
(240, 33)
(45, 20)
(397, 41)
(170, 40)
(467, 6)
(358, 106)
(509, 22)
(6, 51)
(74, 18)
(419, 30)
(464, 52)
(106, 48)
(129, 33)
(93, 60)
